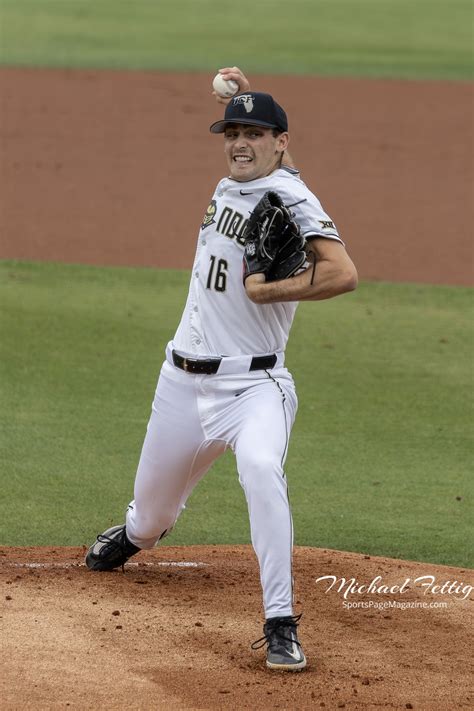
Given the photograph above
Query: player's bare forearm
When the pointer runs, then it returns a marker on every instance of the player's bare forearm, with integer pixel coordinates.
(334, 274)
(327, 283)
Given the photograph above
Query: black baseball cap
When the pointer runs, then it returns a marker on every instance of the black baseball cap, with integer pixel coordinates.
(253, 108)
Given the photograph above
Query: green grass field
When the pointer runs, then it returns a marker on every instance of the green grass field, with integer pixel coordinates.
(382, 448)
(374, 38)
(380, 456)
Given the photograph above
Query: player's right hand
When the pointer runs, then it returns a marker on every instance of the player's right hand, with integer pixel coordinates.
(237, 75)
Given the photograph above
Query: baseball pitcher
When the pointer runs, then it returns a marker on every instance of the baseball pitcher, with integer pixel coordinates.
(264, 244)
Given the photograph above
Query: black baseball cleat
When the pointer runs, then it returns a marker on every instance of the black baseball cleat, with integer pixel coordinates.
(111, 550)
(284, 652)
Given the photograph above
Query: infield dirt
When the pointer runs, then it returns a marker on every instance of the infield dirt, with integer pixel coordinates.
(174, 631)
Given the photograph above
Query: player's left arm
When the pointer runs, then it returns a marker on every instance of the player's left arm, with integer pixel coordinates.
(334, 274)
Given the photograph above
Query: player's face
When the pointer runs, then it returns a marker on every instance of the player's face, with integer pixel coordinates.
(252, 151)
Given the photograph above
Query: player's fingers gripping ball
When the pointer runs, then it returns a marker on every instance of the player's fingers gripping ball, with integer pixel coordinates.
(224, 87)
(273, 242)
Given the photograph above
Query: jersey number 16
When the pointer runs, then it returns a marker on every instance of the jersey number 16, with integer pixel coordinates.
(217, 277)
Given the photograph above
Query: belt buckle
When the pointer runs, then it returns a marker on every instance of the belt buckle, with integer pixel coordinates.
(185, 365)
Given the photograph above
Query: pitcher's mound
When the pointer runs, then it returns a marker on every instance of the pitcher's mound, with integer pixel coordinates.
(174, 632)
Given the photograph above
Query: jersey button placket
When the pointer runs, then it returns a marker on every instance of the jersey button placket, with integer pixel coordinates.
(194, 315)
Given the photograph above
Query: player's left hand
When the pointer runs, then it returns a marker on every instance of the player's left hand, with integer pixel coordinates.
(237, 75)
(274, 245)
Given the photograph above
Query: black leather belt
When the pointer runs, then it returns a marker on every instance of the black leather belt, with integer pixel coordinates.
(211, 365)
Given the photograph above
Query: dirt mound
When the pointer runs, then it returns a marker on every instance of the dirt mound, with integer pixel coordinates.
(174, 631)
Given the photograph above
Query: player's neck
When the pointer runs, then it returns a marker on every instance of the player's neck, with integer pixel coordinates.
(254, 180)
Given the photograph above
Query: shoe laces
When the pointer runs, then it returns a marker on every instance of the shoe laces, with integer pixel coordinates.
(120, 542)
(274, 627)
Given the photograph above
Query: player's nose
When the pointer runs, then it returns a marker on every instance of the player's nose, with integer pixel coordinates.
(241, 139)
(241, 144)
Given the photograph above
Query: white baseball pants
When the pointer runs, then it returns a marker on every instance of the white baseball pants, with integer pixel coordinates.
(194, 419)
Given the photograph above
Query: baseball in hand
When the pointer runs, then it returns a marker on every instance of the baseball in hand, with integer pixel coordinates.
(223, 87)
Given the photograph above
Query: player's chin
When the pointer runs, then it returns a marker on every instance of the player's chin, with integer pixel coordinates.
(243, 172)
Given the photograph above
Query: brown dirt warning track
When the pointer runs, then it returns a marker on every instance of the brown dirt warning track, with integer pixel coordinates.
(116, 168)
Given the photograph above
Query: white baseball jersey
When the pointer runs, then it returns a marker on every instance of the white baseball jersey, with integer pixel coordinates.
(219, 319)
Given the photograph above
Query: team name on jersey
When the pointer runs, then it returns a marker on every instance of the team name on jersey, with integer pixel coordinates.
(231, 223)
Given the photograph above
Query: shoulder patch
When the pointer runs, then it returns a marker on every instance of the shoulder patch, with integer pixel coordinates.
(327, 224)
(209, 216)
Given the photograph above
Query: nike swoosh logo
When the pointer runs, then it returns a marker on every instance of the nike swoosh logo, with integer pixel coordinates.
(295, 653)
(245, 192)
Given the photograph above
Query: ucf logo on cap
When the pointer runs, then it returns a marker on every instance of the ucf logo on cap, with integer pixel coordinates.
(246, 100)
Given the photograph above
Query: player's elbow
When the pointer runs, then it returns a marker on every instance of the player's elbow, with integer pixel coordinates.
(343, 281)
(344, 273)
(349, 279)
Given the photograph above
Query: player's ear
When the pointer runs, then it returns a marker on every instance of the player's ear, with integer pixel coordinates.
(283, 140)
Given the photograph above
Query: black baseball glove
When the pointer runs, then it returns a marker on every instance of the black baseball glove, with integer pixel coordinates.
(274, 245)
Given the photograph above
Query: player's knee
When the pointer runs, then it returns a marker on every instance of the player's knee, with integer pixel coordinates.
(260, 473)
